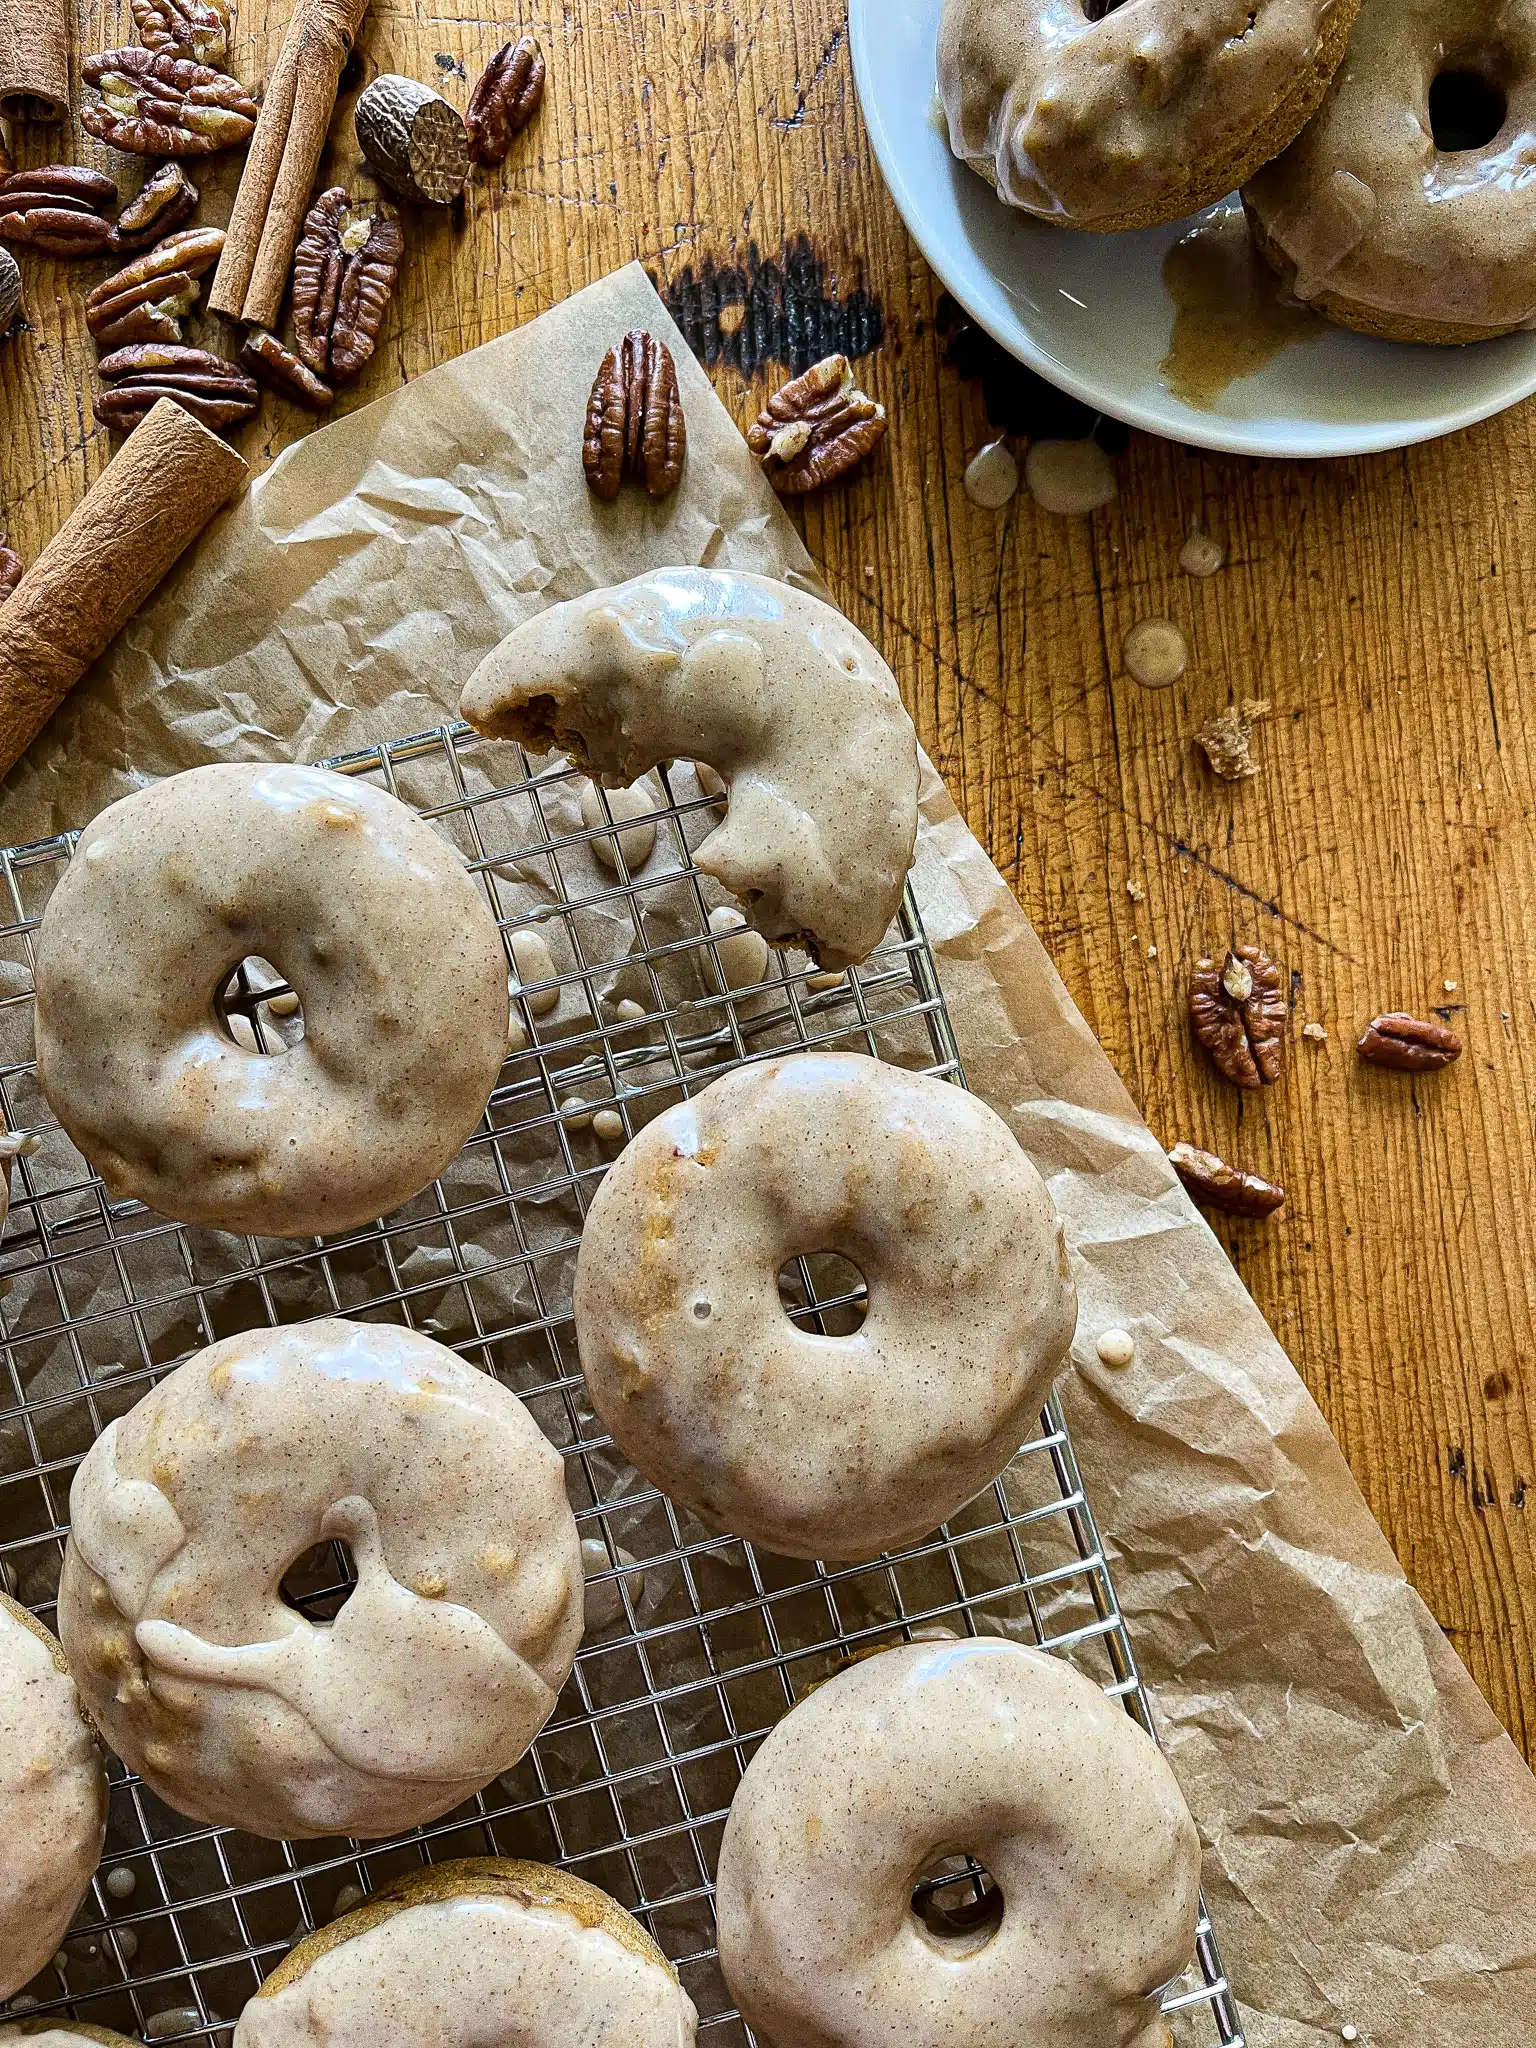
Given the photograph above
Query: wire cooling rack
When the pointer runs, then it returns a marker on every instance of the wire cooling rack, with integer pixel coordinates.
(628, 996)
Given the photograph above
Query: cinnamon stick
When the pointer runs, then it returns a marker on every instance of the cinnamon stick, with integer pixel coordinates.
(279, 174)
(34, 59)
(145, 509)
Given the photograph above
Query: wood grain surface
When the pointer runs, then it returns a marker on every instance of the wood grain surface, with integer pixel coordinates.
(1383, 606)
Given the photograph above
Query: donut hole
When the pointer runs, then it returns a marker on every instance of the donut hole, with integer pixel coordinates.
(1466, 110)
(824, 1292)
(958, 1906)
(319, 1583)
(1100, 10)
(257, 1010)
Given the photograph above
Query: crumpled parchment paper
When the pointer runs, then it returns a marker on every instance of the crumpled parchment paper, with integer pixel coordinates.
(1370, 1829)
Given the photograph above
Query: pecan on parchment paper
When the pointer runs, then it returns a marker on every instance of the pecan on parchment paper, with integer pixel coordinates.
(145, 300)
(1238, 1010)
(183, 28)
(816, 429)
(1409, 1045)
(10, 569)
(635, 424)
(59, 209)
(165, 202)
(157, 105)
(505, 99)
(344, 271)
(281, 371)
(210, 387)
(1219, 1186)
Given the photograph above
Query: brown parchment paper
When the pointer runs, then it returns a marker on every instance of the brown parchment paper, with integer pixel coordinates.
(1370, 1830)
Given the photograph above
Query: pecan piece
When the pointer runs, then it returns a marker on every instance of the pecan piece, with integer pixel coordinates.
(210, 387)
(10, 569)
(1219, 1186)
(344, 271)
(505, 99)
(816, 429)
(57, 208)
(1239, 1014)
(164, 203)
(158, 105)
(1409, 1045)
(281, 371)
(183, 28)
(635, 423)
(145, 300)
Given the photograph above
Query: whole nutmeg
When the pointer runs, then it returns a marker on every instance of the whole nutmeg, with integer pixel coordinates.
(413, 139)
(10, 292)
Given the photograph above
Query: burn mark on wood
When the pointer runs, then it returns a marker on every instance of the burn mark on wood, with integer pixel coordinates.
(1497, 1385)
(1017, 401)
(770, 311)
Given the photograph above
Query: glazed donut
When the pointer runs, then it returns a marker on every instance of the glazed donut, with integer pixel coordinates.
(980, 1748)
(479, 1954)
(1094, 114)
(53, 1794)
(775, 690)
(1369, 220)
(813, 1446)
(62, 2034)
(393, 952)
(440, 1668)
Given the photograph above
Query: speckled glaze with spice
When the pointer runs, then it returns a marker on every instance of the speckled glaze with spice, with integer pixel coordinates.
(444, 1662)
(372, 918)
(978, 1747)
(817, 1446)
(771, 687)
(1142, 115)
(53, 1794)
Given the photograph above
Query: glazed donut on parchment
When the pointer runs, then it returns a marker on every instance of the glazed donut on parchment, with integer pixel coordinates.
(53, 1798)
(1111, 116)
(369, 913)
(478, 1954)
(977, 1748)
(816, 1446)
(771, 687)
(1374, 223)
(441, 1667)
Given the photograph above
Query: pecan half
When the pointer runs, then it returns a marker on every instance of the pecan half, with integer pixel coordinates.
(1409, 1045)
(58, 208)
(165, 202)
(183, 28)
(344, 271)
(281, 371)
(635, 423)
(158, 105)
(816, 429)
(144, 301)
(211, 388)
(506, 97)
(1219, 1186)
(1239, 1014)
(10, 569)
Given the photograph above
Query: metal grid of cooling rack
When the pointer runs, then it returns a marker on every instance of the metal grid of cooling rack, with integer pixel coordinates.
(695, 1644)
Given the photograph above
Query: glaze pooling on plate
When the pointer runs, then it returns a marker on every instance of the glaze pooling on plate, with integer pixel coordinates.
(771, 687)
(441, 1666)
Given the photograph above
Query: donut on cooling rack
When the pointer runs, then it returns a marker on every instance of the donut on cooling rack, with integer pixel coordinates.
(439, 1669)
(62, 2033)
(770, 687)
(811, 1445)
(369, 913)
(1096, 114)
(1405, 208)
(479, 1954)
(53, 1797)
(941, 1751)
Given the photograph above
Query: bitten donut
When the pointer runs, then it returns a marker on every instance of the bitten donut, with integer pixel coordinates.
(980, 1748)
(394, 955)
(443, 1664)
(479, 1954)
(770, 687)
(1095, 114)
(823, 1447)
(53, 1797)
(1381, 226)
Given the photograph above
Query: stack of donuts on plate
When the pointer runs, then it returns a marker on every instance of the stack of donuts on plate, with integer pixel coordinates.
(438, 1672)
(1384, 149)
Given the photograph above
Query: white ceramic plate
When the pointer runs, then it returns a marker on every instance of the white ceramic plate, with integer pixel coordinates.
(1091, 312)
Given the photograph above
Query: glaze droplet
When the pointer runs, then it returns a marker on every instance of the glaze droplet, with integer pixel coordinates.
(1201, 554)
(992, 478)
(1116, 1348)
(1069, 478)
(1156, 653)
